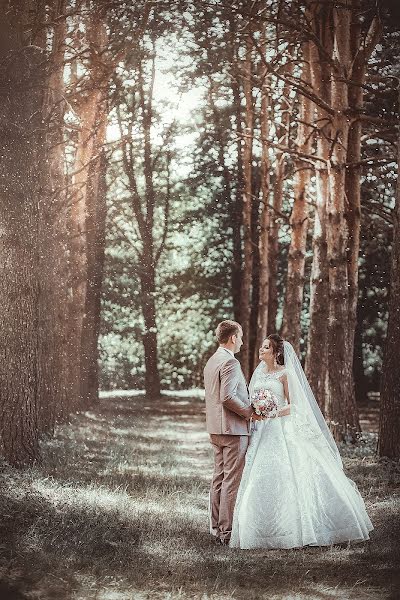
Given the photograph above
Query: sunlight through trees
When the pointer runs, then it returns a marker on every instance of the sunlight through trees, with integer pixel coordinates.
(168, 165)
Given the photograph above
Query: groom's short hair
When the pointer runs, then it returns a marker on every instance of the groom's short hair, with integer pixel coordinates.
(226, 329)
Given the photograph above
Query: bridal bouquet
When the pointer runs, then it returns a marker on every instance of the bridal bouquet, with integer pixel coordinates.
(264, 403)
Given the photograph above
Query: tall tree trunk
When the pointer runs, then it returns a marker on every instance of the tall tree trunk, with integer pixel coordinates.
(340, 408)
(92, 114)
(353, 172)
(263, 244)
(389, 424)
(21, 68)
(52, 237)
(148, 289)
(361, 387)
(277, 200)
(293, 302)
(273, 252)
(353, 203)
(255, 280)
(360, 52)
(236, 273)
(95, 227)
(245, 298)
(317, 343)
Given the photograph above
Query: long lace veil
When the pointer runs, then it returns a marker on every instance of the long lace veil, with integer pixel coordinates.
(306, 415)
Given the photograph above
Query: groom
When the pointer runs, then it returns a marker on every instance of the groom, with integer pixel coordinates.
(228, 414)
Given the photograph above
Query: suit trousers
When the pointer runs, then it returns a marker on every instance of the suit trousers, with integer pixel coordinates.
(229, 459)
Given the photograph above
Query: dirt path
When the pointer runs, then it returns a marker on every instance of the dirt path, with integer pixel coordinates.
(118, 511)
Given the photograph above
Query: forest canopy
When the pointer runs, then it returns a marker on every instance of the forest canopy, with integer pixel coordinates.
(172, 164)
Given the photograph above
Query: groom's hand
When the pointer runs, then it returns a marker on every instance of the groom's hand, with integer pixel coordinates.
(257, 417)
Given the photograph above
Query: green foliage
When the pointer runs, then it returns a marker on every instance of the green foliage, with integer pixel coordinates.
(193, 295)
(194, 289)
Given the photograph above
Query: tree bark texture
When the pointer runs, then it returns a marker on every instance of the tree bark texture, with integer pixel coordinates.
(265, 217)
(245, 299)
(340, 408)
(236, 273)
(20, 180)
(282, 134)
(389, 424)
(85, 227)
(52, 238)
(95, 227)
(293, 302)
(360, 53)
(335, 60)
(148, 273)
(148, 288)
(317, 343)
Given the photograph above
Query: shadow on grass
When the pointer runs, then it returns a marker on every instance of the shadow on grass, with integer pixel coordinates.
(123, 498)
(75, 529)
(9, 593)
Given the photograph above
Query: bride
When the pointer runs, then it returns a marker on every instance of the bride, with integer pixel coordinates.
(293, 490)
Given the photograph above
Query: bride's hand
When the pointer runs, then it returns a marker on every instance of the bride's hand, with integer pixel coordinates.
(284, 411)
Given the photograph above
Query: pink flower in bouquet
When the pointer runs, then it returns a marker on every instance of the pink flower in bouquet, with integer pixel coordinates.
(264, 403)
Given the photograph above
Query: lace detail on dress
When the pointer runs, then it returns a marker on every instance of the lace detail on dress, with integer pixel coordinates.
(271, 374)
(291, 476)
(271, 380)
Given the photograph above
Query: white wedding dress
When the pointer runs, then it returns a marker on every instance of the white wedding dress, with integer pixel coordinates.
(293, 490)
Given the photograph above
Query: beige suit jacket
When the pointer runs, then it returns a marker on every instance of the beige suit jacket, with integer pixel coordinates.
(228, 407)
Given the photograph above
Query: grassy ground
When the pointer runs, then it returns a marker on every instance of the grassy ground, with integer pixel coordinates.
(118, 511)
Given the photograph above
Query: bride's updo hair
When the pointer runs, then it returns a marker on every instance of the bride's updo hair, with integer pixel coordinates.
(277, 347)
